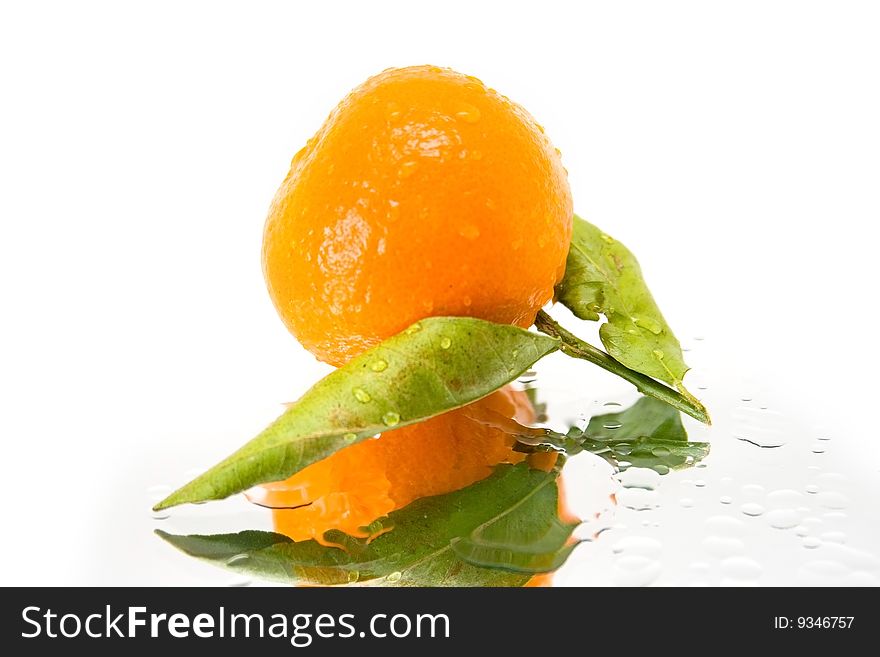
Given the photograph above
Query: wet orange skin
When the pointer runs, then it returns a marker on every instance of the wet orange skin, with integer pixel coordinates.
(424, 193)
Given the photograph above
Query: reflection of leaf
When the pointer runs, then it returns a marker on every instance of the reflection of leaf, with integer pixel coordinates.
(603, 277)
(496, 532)
(434, 366)
(648, 434)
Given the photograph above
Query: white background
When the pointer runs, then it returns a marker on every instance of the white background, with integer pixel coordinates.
(734, 146)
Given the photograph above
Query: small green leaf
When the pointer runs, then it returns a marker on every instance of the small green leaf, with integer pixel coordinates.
(432, 367)
(602, 277)
(496, 532)
(648, 434)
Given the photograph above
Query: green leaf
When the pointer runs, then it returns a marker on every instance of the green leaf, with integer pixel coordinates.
(496, 532)
(602, 277)
(648, 434)
(436, 365)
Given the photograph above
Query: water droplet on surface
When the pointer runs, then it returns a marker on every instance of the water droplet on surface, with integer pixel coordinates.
(607, 238)
(812, 489)
(802, 530)
(445, 342)
(638, 499)
(723, 546)
(379, 365)
(832, 500)
(394, 577)
(612, 404)
(237, 560)
(466, 300)
(811, 542)
(350, 437)
(468, 113)
(611, 425)
(643, 545)
(785, 497)
(353, 576)
(164, 514)
(635, 570)
(726, 499)
(415, 328)
(361, 395)
(686, 502)
(391, 418)
(818, 448)
(783, 518)
(752, 509)
(239, 582)
(725, 525)
(833, 537)
(741, 568)
(639, 478)
(700, 483)
(658, 354)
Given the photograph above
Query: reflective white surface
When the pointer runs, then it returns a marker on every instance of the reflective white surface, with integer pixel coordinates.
(732, 147)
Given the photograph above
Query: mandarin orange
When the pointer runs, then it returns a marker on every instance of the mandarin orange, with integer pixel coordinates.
(424, 193)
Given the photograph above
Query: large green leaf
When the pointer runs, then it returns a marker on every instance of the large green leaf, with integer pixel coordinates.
(496, 532)
(602, 277)
(648, 434)
(432, 367)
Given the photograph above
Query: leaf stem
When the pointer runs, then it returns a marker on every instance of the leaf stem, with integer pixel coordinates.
(575, 347)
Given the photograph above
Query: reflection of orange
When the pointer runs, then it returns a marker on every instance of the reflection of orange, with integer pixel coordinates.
(366, 481)
(424, 193)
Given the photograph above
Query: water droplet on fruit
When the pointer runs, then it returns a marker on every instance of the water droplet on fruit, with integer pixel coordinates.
(361, 395)
(466, 300)
(611, 425)
(353, 576)
(607, 239)
(379, 365)
(394, 577)
(391, 418)
(468, 113)
(406, 169)
(469, 232)
(392, 111)
(415, 328)
(445, 342)
(350, 437)
(658, 354)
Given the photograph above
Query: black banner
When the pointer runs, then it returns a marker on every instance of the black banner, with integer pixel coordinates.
(398, 621)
